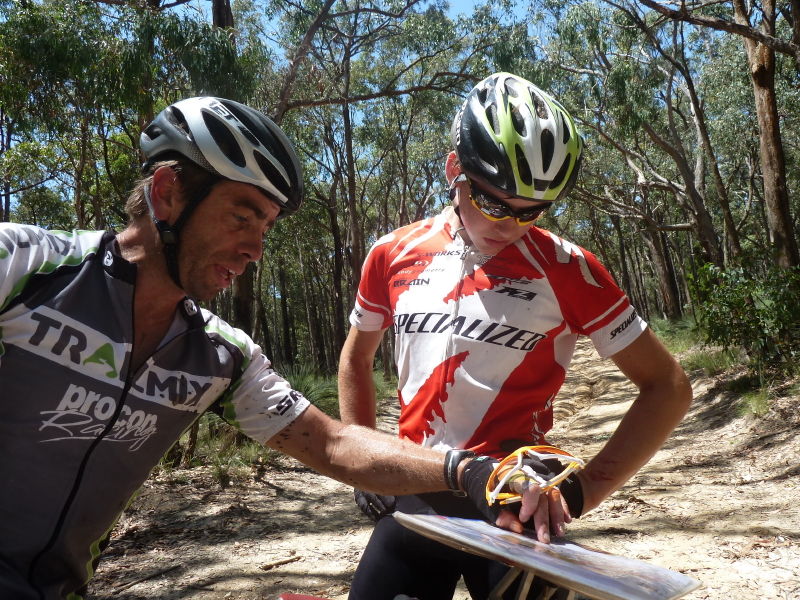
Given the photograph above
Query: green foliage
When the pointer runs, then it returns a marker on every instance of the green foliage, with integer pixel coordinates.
(44, 207)
(678, 336)
(742, 383)
(383, 388)
(220, 446)
(321, 390)
(710, 361)
(757, 312)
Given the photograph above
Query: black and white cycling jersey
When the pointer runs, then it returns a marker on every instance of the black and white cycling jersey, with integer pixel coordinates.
(80, 432)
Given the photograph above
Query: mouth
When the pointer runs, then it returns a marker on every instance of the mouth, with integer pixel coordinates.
(224, 276)
(495, 243)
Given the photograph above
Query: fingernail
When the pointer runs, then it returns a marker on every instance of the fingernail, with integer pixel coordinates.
(560, 529)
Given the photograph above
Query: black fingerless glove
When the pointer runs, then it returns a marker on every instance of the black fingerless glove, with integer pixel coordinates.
(476, 474)
(374, 506)
(572, 492)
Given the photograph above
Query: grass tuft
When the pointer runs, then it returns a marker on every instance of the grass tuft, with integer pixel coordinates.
(678, 336)
(710, 361)
(755, 403)
(321, 390)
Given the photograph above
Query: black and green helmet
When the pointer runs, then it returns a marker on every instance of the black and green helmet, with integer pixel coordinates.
(517, 139)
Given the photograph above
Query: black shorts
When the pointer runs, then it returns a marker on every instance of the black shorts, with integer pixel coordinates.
(400, 561)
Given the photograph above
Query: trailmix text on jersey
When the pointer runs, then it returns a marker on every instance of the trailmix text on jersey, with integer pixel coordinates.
(483, 343)
(79, 430)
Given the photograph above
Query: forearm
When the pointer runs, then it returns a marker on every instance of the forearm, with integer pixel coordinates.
(374, 462)
(363, 458)
(357, 401)
(646, 426)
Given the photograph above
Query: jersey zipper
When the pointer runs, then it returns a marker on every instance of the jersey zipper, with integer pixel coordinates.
(82, 468)
(450, 345)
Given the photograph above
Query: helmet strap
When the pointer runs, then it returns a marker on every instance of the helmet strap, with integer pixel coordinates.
(169, 233)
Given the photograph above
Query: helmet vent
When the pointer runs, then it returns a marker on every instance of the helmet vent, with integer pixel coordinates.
(153, 131)
(518, 120)
(250, 128)
(540, 185)
(548, 142)
(566, 128)
(511, 89)
(562, 172)
(482, 95)
(250, 137)
(541, 109)
(491, 115)
(225, 140)
(274, 176)
(176, 117)
(522, 166)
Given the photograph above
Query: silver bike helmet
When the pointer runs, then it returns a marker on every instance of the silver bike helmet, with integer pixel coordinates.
(517, 139)
(230, 140)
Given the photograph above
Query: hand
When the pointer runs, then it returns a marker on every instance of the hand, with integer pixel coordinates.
(546, 509)
(374, 506)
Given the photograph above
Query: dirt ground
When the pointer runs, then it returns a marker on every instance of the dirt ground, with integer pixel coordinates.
(720, 502)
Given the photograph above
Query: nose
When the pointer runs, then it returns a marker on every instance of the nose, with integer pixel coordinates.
(252, 247)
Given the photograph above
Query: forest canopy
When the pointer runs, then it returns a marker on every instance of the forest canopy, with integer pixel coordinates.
(689, 113)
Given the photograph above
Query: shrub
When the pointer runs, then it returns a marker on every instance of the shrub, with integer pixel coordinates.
(759, 313)
(755, 403)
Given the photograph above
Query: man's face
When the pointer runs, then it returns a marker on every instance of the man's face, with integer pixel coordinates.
(489, 236)
(222, 235)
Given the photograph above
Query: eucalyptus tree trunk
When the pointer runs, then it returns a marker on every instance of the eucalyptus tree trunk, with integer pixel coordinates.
(80, 213)
(312, 325)
(666, 280)
(5, 145)
(773, 162)
(623, 259)
(339, 332)
(243, 299)
(288, 355)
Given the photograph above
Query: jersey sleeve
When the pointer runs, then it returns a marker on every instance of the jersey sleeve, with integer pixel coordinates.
(372, 310)
(260, 403)
(26, 250)
(592, 302)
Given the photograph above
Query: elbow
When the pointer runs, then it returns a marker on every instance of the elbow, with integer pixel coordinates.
(681, 393)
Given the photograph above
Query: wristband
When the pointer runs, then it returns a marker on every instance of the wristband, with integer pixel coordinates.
(451, 461)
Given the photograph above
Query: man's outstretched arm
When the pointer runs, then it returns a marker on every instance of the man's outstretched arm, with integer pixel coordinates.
(665, 395)
(377, 462)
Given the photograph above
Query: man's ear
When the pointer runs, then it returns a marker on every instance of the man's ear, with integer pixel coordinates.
(165, 194)
(451, 167)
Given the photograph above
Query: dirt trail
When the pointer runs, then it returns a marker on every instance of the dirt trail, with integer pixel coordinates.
(718, 502)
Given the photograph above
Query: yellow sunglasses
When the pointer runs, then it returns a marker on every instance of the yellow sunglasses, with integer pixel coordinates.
(495, 209)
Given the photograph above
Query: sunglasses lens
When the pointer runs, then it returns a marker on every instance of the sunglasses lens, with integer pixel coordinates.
(489, 207)
(496, 210)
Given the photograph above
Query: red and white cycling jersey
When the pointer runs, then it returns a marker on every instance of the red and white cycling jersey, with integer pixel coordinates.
(484, 342)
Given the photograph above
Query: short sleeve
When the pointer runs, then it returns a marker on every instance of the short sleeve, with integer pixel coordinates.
(263, 403)
(592, 302)
(372, 310)
(26, 250)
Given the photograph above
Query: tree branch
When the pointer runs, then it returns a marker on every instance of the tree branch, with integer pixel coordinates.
(683, 14)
